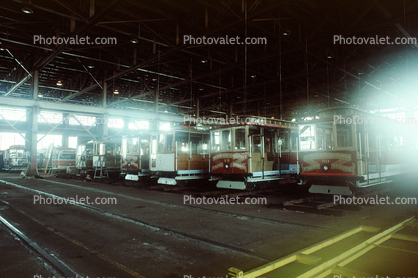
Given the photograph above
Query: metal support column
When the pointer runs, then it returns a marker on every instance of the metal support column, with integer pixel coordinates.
(197, 107)
(35, 89)
(66, 133)
(33, 134)
(102, 127)
(104, 95)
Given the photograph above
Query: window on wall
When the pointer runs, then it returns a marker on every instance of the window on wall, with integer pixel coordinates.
(56, 140)
(139, 125)
(72, 142)
(165, 126)
(115, 123)
(8, 139)
(13, 114)
(85, 120)
(49, 117)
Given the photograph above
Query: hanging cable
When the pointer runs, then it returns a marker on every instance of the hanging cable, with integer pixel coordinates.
(280, 70)
(307, 76)
(245, 60)
(191, 86)
(328, 84)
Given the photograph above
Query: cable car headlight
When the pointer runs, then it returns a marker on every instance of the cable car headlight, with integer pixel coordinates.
(325, 168)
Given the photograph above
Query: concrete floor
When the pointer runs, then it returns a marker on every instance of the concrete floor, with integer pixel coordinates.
(154, 234)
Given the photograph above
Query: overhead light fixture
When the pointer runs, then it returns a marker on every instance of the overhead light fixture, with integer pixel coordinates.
(40, 95)
(134, 40)
(253, 76)
(330, 56)
(116, 92)
(27, 10)
(59, 83)
(286, 32)
(204, 61)
(90, 66)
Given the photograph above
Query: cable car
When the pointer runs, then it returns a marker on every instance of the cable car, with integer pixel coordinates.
(254, 151)
(179, 155)
(84, 158)
(16, 157)
(106, 158)
(348, 149)
(135, 156)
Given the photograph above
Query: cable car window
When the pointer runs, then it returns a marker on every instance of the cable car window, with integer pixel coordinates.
(215, 142)
(284, 137)
(67, 156)
(144, 149)
(203, 145)
(160, 146)
(256, 143)
(267, 145)
(307, 137)
(294, 137)
(154, 144)
(324, 137)
(226, 140)
(240, 139)
(344, 136)
(195, 140)
(110, 149)
(269, 141)
(182, 139)
(397, 142)
(169, 141)
(130, 146)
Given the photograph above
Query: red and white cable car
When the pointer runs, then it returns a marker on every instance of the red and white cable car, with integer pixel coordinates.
(135, 156)
(347, 149)
(179, 155)
(254, 151)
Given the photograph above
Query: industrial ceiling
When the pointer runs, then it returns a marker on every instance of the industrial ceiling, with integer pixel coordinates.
(298, 71)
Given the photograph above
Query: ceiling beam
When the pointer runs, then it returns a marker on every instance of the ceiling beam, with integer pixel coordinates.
(89, 110)
(80, 32)
(397, 25)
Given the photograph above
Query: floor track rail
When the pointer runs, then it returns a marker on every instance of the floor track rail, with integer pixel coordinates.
(62, 268)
